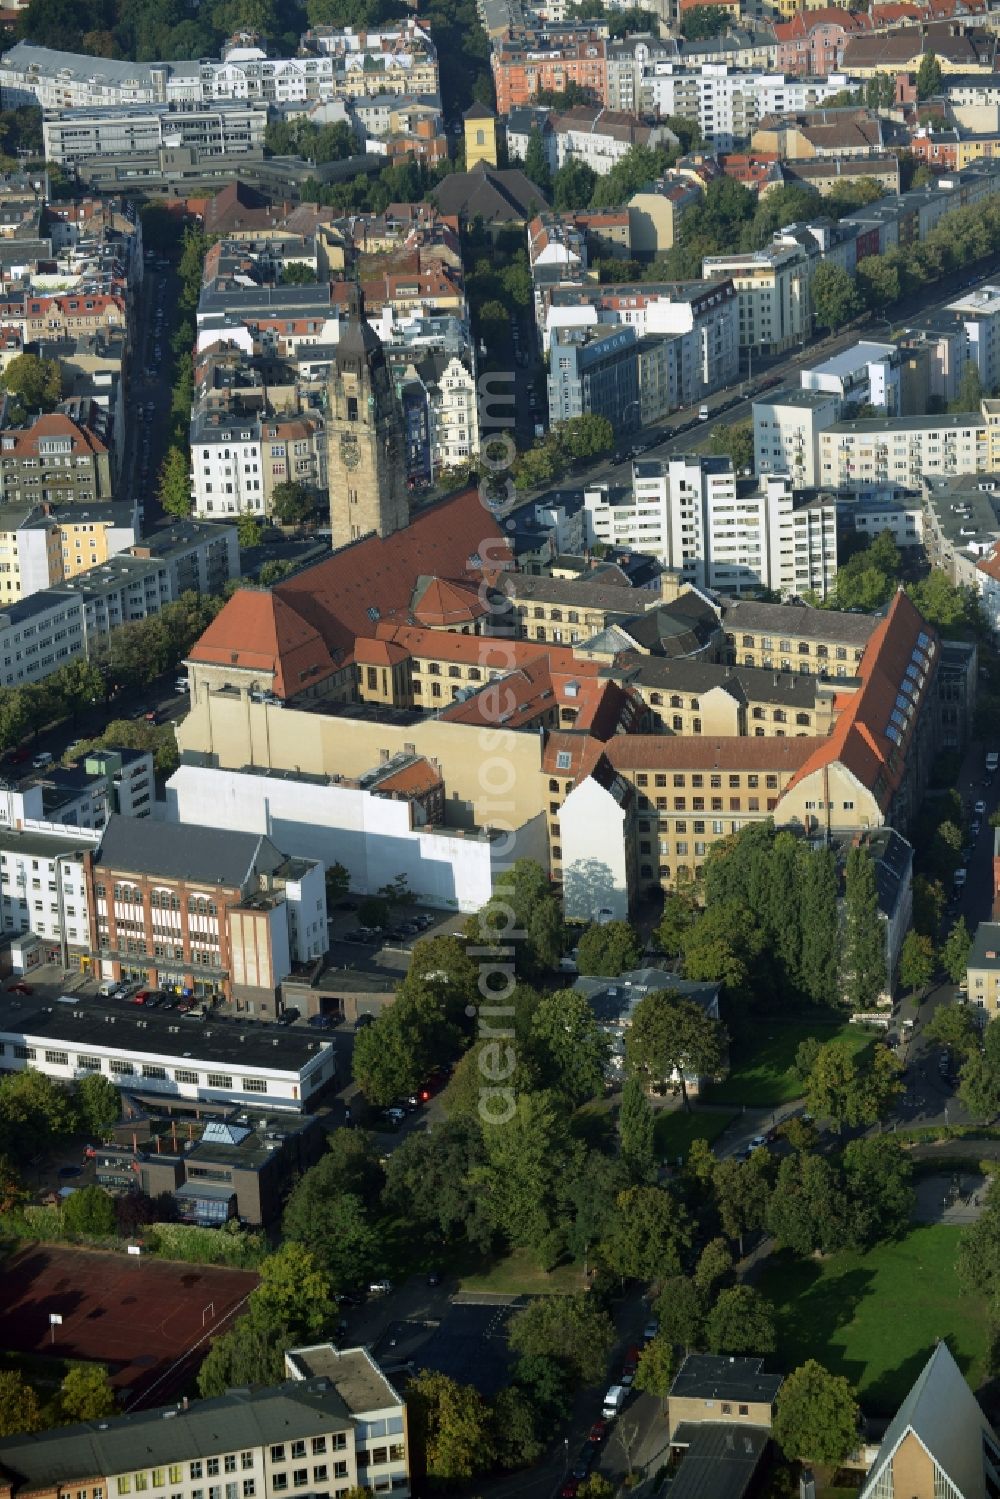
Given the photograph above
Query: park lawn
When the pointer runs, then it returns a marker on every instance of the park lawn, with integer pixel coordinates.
(518, 1275)
(761, 1060)
(676, 1129)
(876, 1317)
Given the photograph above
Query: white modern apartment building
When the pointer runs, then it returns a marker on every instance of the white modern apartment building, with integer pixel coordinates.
(772, 285)
(44, 884)
(226, 128)
(717, 533)
(379, 1415)
(979, 312)
(109, 780)
(865, 374)
(70, 80)
(878, 451)
(727, 102)
(786, 428)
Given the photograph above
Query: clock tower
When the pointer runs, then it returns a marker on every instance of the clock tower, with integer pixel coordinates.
(365, 448)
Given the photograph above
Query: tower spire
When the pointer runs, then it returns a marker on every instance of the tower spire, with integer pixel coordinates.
(365, 448)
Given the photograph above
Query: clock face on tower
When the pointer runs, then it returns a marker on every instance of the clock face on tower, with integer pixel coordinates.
(350, 452)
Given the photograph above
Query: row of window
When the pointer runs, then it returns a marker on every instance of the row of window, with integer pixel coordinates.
(123, 1067)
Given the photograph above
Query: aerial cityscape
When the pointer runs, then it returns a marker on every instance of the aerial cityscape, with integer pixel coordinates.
(499, 749)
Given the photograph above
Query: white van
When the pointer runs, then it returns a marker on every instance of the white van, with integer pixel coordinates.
(613, 1401)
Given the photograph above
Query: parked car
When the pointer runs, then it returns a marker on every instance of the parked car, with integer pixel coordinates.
(42, 760)
(434, 1277)
(584, 1461)
(651, 1329)
(980, 809)
(598, 1431)
(394, 1116)
(20, 988)
(362, 1021)
(380, 1288)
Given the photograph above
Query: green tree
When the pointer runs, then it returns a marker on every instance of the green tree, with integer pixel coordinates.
(980, 1086)
(297, 274)
(929, 76)
(174, 488)
(970, 389)
(916, 962)
(864, 970)
(669, 1034)
(574, 1330)
(336, 1228)
(248, 530)
(587, 436)
(98, 1104)
(852, 1088)
(741, 1321)
(434, 1180)
(290, 502)
(450, 1428)
(816, 1419)
(536, 161)
(705, 21)
(734, 440)
(252, 1352)
(835, 297)
(573, 186)
(715, 1264)
(91, 1211)
(716, 947)
(953, 1026)
(532, 1159)
(929, 901)
(742, 1191)
(806, 1210)
(877, 1176)
(636, 1128)
(681, 1313)
(34, 383)
(34, 1110)
(606, 951)
(295, 1289)
(515, 1429)
(649, 1234)
(19, 1408)
(570, 1047)
(655, 1370)
(680, 912)
(955, 951)
(86, 1394)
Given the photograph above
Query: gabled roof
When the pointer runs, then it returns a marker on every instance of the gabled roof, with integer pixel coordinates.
(184, 851)
(258, 631)
(859, 739)
(944, 1416)
(307, 625)
(436, 601)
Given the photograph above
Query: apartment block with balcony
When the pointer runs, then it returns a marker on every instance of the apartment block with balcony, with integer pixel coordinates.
(55, 462)
(773, 290)
(904, 450)
(786, 427)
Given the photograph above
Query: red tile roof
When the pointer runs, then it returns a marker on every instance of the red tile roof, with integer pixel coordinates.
(256, 631)
(858, 739)
(446, 604)
(990, 565)
(697, 752)
(55, 424)
(372, 580)
(415, 779)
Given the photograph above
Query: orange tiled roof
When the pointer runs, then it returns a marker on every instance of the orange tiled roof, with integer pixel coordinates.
(256, 631)
(694, 752)
(411, 780)
(858, 739)
(990, 565)
(347, 595)
(445, 603)
(55, 424)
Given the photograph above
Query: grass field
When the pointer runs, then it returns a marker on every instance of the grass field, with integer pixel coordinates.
(875, 1317)
(518, 1275)
(676, 1129)
(761, 1060)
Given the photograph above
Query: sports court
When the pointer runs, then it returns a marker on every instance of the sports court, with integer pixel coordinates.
(151, 1321)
